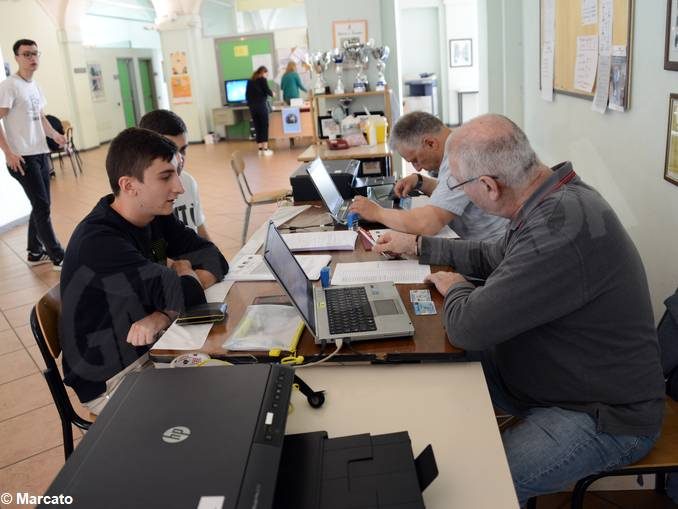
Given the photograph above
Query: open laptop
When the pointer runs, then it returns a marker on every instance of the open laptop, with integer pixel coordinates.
(187, 437)
(361, 312)
(333, 200)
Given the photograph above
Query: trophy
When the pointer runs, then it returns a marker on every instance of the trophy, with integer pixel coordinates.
(337, 57)
(381, 54)
(355, 54)
(320, 61)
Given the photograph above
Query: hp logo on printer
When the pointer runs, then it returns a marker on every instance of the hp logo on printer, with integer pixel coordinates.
(176, 434)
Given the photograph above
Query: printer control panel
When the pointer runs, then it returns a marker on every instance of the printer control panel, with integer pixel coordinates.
(273, 416)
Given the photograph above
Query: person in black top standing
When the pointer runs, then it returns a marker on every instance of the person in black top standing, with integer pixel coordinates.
(130, 267)
(257, 94)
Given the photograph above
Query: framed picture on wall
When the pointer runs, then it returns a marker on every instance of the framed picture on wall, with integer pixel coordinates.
(671, 164)
(461, 52)
(671, 47)
(348, 29)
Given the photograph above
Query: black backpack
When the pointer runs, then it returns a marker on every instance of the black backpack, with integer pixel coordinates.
(667, 331)
(58, 127)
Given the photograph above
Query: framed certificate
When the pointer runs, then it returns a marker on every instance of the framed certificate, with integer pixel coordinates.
(349, 29)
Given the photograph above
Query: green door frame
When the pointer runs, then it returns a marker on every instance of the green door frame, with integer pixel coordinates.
(127, 91)
(147, 84)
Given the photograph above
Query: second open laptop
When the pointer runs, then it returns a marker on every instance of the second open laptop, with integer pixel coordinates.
(332, 198)
(360, 312)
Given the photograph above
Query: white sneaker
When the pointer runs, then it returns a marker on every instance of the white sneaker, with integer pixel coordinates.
(260, 152)
(267, 152)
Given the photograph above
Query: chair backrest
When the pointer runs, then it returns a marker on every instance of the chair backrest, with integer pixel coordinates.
(58, 126)
(45, 326)
(667, 332)
(238, 167)
(47, 312)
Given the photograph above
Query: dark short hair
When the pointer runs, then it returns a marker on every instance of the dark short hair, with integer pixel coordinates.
(133, 151)
(164, 122)
(22, 42)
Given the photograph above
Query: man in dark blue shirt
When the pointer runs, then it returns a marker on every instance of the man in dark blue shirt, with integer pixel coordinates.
(130, 267)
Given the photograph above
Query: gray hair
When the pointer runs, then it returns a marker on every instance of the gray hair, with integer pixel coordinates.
(410, 128)
(493, 145)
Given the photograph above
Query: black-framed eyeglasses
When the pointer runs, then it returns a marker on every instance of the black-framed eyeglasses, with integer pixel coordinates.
(451, 188)
(29, 54)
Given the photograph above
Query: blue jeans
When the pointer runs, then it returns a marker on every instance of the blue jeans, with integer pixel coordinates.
(551, 448)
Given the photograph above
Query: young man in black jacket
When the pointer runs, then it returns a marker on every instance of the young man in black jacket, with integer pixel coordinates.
(130, 267)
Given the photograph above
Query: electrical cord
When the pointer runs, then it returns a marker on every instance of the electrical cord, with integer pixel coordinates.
(339, 343)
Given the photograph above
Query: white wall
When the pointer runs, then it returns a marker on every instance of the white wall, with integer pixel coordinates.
(107, 32)
(27, 19)
(621, 154)
(108, 112)
(15, 206)
(462, 23)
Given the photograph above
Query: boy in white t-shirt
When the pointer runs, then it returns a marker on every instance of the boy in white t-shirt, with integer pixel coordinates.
(187, 205)
(25, 146)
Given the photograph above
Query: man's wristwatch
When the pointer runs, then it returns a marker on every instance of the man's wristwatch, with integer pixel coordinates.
(420, 182)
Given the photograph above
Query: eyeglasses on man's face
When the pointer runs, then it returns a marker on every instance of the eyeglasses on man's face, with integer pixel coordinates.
(495, 177)
(30, 54)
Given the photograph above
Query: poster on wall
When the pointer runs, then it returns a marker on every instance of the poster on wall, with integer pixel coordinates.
(96, 81)
(180, 81)
(291, 120)
(300, 57)
(264, 59)
(349, 29)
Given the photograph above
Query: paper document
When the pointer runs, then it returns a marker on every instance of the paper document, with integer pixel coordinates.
(445, 233)
(281, 215)
(183, 337)
(547, 50)
(253, 268)
(589, 12)
(586, 62)
(397, 271)
(343, 240)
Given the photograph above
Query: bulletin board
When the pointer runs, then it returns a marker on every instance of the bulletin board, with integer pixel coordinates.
(238, 57)
(568, 26)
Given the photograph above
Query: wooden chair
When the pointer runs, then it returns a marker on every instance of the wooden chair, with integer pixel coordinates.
(250, 198)
(45, 326)
(64, 127)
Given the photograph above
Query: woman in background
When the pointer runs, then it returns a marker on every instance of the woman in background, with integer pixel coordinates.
(257, 94)
(291, 82)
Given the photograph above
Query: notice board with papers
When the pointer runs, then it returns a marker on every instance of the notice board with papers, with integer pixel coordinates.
(577, 22)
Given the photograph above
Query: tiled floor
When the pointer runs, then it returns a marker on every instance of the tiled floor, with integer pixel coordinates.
(31, 452)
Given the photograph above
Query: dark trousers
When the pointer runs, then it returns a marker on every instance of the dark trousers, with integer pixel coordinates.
(260, 119)
(35, 182)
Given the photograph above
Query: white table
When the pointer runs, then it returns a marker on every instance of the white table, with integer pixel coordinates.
(446, 405)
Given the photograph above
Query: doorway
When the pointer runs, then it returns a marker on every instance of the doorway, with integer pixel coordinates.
(128, 91)
(146, 76)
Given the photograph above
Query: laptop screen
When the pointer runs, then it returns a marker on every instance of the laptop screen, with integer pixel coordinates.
(326, 186)
(290, 275)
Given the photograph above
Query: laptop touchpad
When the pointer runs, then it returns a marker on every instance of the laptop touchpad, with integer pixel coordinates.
(385, 307)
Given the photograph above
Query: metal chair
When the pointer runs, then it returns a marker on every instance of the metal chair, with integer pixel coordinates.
(250, 198)
(45, 326)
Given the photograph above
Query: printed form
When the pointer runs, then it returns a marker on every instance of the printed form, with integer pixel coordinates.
(397, 271)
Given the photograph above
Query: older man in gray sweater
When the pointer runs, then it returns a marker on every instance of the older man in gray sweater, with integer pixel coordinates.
(563, 324)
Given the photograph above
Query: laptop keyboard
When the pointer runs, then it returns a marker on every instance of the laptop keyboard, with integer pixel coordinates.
(348, 310)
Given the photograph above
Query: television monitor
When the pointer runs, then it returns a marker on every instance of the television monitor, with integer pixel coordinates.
(235, 91)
